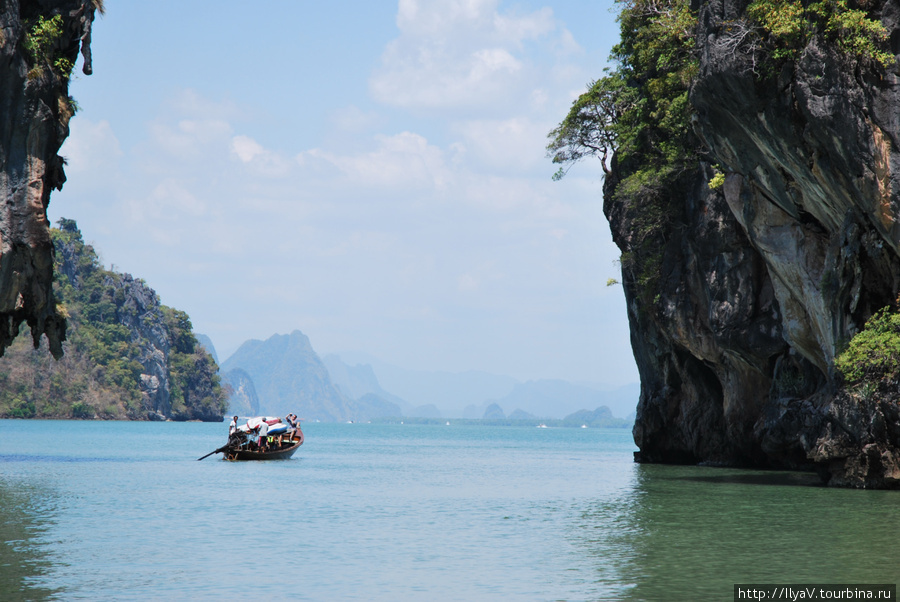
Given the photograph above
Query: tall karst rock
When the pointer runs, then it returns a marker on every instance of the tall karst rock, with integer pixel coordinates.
(288, 376)
(39, 44)
(758, 284)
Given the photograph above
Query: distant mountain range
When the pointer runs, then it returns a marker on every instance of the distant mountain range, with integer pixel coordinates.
(284, 374)
(449, 391)
(559, 398)
(288, 376)
(359, 381)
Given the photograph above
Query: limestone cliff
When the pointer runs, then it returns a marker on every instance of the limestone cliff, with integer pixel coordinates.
(763, 281)
(241, 392)
(39, 43)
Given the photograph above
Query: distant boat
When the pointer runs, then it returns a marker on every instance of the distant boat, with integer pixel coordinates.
(448, 423)
(584, 426)
(542, 426)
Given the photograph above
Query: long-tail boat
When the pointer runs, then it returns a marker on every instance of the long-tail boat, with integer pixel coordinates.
(278, 448)
(280, 443)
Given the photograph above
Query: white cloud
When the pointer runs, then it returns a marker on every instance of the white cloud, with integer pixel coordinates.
(401, 161)
(246, 148)
(461, 53)
(431, 17)
(467, 282)
(259, 159)
(529, 27)
(489, 62)
(189, 138)
(512, 145)
(164, 212)
(352, 119)
(190, 103)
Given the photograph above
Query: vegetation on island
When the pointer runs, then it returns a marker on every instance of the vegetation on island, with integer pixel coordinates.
(119, 336)
(41, 42)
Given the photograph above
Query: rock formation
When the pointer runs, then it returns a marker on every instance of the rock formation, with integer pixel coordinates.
(39, 43)
(289, 376)
(765, 279)
(242, 397)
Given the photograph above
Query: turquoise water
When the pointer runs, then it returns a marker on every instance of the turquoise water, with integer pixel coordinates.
(123, 511)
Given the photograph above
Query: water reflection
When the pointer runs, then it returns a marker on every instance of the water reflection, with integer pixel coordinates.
(682, 533)
(26, 518)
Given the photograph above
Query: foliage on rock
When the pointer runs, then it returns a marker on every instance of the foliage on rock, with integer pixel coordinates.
(127, 356)
(42, 42)
(789, 25)
(874, 353)
(639, 110)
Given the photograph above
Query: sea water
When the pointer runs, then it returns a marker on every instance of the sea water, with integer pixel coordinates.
(124, 511)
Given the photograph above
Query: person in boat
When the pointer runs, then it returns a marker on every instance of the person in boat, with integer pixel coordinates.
(232, 427)
(263, 435)
(292, 422)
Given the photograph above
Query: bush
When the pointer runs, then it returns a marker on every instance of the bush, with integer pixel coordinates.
(22, 409)
(791, 24)
(82, 410)
(874, 353)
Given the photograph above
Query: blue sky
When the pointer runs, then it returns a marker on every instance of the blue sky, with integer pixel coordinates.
(371, 173)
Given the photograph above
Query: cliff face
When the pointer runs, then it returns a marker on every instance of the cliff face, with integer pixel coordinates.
(34, 121)
(144, 353)
(764, 280)
(242, 397)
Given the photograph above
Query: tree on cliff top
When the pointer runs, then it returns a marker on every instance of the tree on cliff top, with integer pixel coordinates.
(639, 112)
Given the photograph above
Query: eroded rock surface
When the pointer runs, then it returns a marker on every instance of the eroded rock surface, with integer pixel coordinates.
(34, 121)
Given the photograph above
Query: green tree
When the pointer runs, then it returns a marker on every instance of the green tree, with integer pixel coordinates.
(640, 112)
(874, 353)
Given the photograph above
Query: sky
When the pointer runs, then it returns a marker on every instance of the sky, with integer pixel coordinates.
(373, 174)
